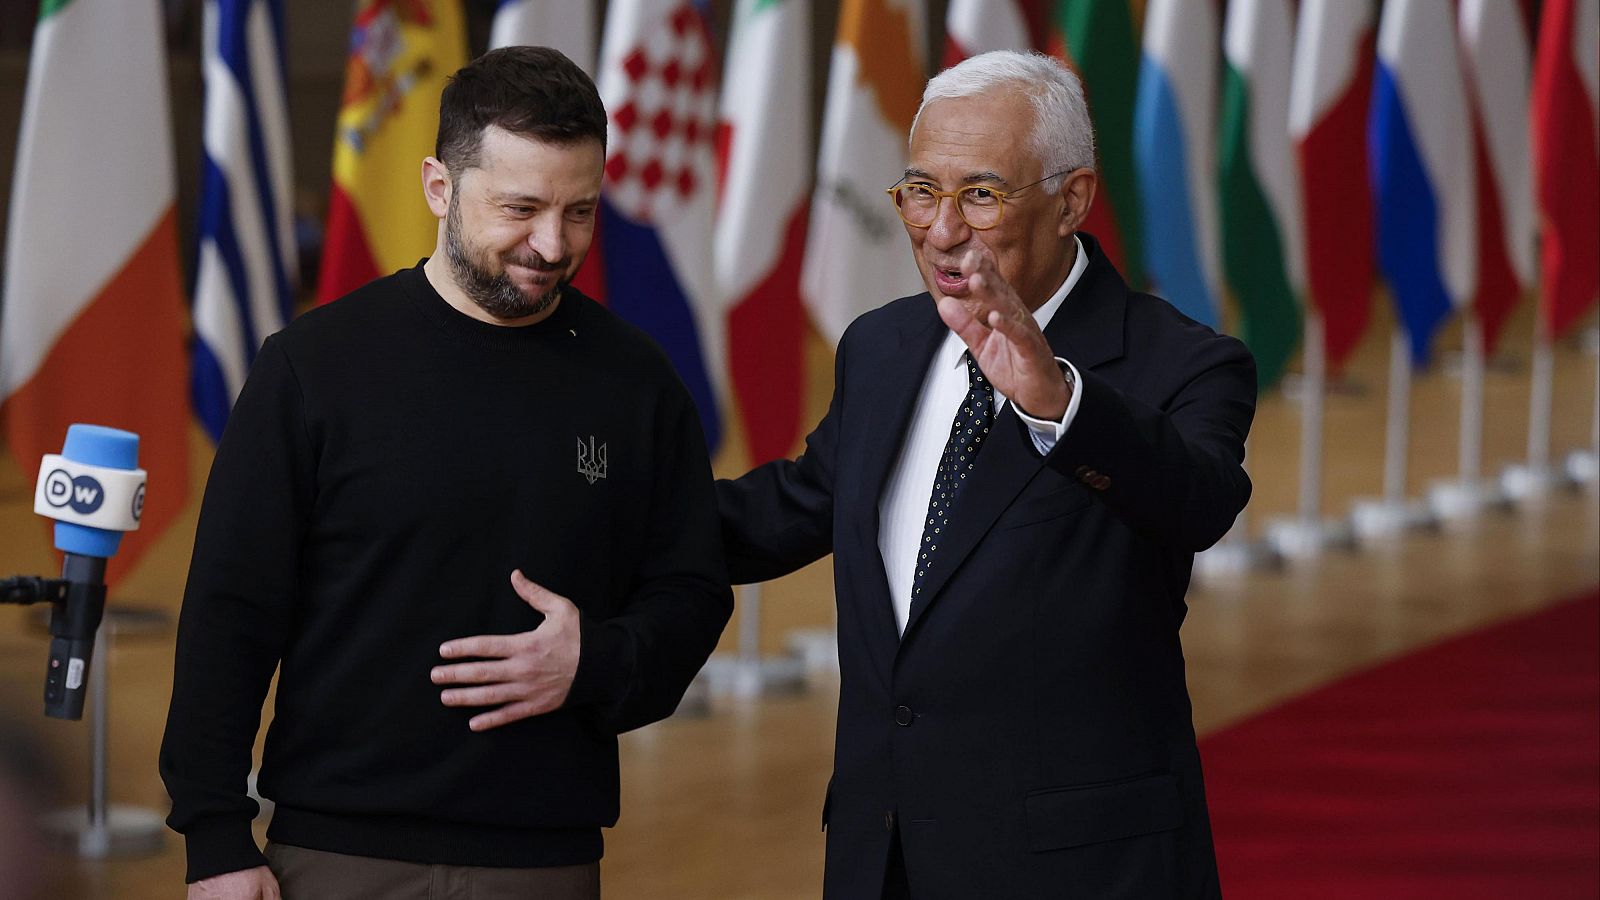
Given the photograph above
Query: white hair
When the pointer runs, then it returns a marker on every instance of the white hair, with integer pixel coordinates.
(1063, 136)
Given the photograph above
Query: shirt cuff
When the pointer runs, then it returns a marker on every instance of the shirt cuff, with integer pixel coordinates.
(1045, 433)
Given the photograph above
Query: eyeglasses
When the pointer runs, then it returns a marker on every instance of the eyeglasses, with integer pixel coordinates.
(979, 206)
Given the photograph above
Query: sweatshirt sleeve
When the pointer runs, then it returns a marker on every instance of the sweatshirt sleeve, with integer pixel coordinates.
(235, 616)
(634, 667)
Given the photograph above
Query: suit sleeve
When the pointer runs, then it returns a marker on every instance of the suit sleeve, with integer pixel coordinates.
(634, 667)
(778, 517)
(236, 613)
(1175, 472)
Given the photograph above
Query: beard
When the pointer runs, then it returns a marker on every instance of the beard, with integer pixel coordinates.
(495, 292)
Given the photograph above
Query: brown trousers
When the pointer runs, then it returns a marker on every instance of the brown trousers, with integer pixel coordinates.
(318, 875)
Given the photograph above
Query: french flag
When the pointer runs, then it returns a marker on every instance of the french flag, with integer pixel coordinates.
(1424, 181)
(1174, 145)
(651, 261)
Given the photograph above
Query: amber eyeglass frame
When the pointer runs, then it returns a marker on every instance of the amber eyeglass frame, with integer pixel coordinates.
(894, 190)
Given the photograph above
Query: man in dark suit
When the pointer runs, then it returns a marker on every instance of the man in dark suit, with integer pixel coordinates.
(1014, 474)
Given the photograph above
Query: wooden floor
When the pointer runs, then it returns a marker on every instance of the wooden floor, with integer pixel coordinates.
(727, 805)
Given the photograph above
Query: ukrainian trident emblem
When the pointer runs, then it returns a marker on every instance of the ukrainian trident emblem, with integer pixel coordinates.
(591, 460)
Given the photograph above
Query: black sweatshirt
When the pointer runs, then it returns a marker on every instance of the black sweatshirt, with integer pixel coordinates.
(387, 465)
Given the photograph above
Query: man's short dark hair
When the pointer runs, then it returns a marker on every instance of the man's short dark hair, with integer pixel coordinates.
(535, 92)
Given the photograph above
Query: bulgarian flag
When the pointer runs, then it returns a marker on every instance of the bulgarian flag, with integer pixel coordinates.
(401, 54)
(1099, 40)
(764, 162)
(1494, 45)
(92, 322)
(1175, 127)
(1330, 90)
(978, 26)
(1261, 239)
(1566, 161)
(857, 257)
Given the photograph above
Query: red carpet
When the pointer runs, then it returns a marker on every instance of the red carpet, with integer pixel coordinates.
(1470, 769)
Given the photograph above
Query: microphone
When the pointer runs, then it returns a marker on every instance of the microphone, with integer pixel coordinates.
(94, 490)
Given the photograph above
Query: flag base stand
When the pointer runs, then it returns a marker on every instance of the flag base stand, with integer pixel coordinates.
(1236, 557)
(1523, 482)
(1464, 498)
(1583, 467)
(817, 649)
(1295, 538)
(1377, 519)
(729, 674)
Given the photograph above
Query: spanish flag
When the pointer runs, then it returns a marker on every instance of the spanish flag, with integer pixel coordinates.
(401, 54)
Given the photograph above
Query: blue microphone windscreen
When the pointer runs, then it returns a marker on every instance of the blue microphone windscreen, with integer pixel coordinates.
(96, 445)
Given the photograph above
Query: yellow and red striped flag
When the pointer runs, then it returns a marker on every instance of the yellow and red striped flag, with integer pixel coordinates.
(401, 54)
(92, 328)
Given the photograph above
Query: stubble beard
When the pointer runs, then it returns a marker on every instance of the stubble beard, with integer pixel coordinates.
(494, 292)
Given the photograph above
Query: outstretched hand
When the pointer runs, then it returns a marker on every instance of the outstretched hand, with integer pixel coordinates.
(525, 674)
(999, 330)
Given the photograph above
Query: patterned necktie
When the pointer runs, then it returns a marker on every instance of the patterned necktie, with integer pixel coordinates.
(967, 432)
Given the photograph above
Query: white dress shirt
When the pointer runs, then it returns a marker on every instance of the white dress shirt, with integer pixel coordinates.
(903, 509)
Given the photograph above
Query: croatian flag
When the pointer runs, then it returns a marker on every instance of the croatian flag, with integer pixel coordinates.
(658, 80)
(1422, 168)
(1174, 145)
(245, 274)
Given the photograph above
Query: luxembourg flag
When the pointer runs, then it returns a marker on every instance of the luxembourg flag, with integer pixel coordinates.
(1566, 147)
(1174, 135)
(658, 78)
(567, 26)
(1422, 168)
(91, 313)
(1328, 103)
(245, 276)
(978, 26)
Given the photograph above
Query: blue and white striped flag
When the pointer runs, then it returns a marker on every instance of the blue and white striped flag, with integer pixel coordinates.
(245, 275)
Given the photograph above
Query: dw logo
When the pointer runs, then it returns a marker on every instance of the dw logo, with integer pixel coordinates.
(591, 460)
(83, 493)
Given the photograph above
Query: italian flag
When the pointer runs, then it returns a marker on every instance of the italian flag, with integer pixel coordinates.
(1098, 39)
(764, 161)
(401, 54)
(92, 322)
(1262, 247)
(857, 257)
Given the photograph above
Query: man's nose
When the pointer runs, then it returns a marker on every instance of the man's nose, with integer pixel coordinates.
(546, 238)
(948, 229)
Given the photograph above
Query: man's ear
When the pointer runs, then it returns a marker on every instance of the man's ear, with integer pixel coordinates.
(1077, 195)
(436, 187)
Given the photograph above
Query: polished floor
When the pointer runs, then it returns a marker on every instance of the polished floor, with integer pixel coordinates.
(727, 805)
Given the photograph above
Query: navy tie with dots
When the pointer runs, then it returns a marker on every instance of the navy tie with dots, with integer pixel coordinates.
(967, 433)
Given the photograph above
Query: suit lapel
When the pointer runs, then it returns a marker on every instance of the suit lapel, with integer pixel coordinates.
(1087, 331)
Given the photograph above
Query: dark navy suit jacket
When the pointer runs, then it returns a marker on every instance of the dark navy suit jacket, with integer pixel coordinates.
(1030, 734)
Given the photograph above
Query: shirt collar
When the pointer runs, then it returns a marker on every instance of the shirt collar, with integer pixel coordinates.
(952, 348)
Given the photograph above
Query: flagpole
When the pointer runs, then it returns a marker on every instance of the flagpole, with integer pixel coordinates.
(1533, 478)
(1391, 514)
(1236, 552)
(1467, 494)
(1307, 535)
(746, 674)
(1583, 466)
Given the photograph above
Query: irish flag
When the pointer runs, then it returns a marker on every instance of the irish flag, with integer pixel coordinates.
(1174, 144)
(857, 257)
(401, 53)
(1261, 242)
(1423, 177)
(92, 322)
(1566, 154)
(764, 155)
(1097, 38)
(1330, 89)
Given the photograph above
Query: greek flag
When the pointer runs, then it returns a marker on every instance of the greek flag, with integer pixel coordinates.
(245, 272)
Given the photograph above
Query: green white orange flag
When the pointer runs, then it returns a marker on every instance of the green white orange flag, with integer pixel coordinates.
(857, 257)
(91, 327)
(401, 54)
(1262, 247)
(764, 157)
(1099, 40)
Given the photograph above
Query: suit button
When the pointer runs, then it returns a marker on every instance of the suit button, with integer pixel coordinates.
(902, 715)
(1101, 482)
(1083, 472)
(888, 821)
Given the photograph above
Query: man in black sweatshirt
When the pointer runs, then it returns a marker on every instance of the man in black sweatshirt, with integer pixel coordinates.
(467, 513)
